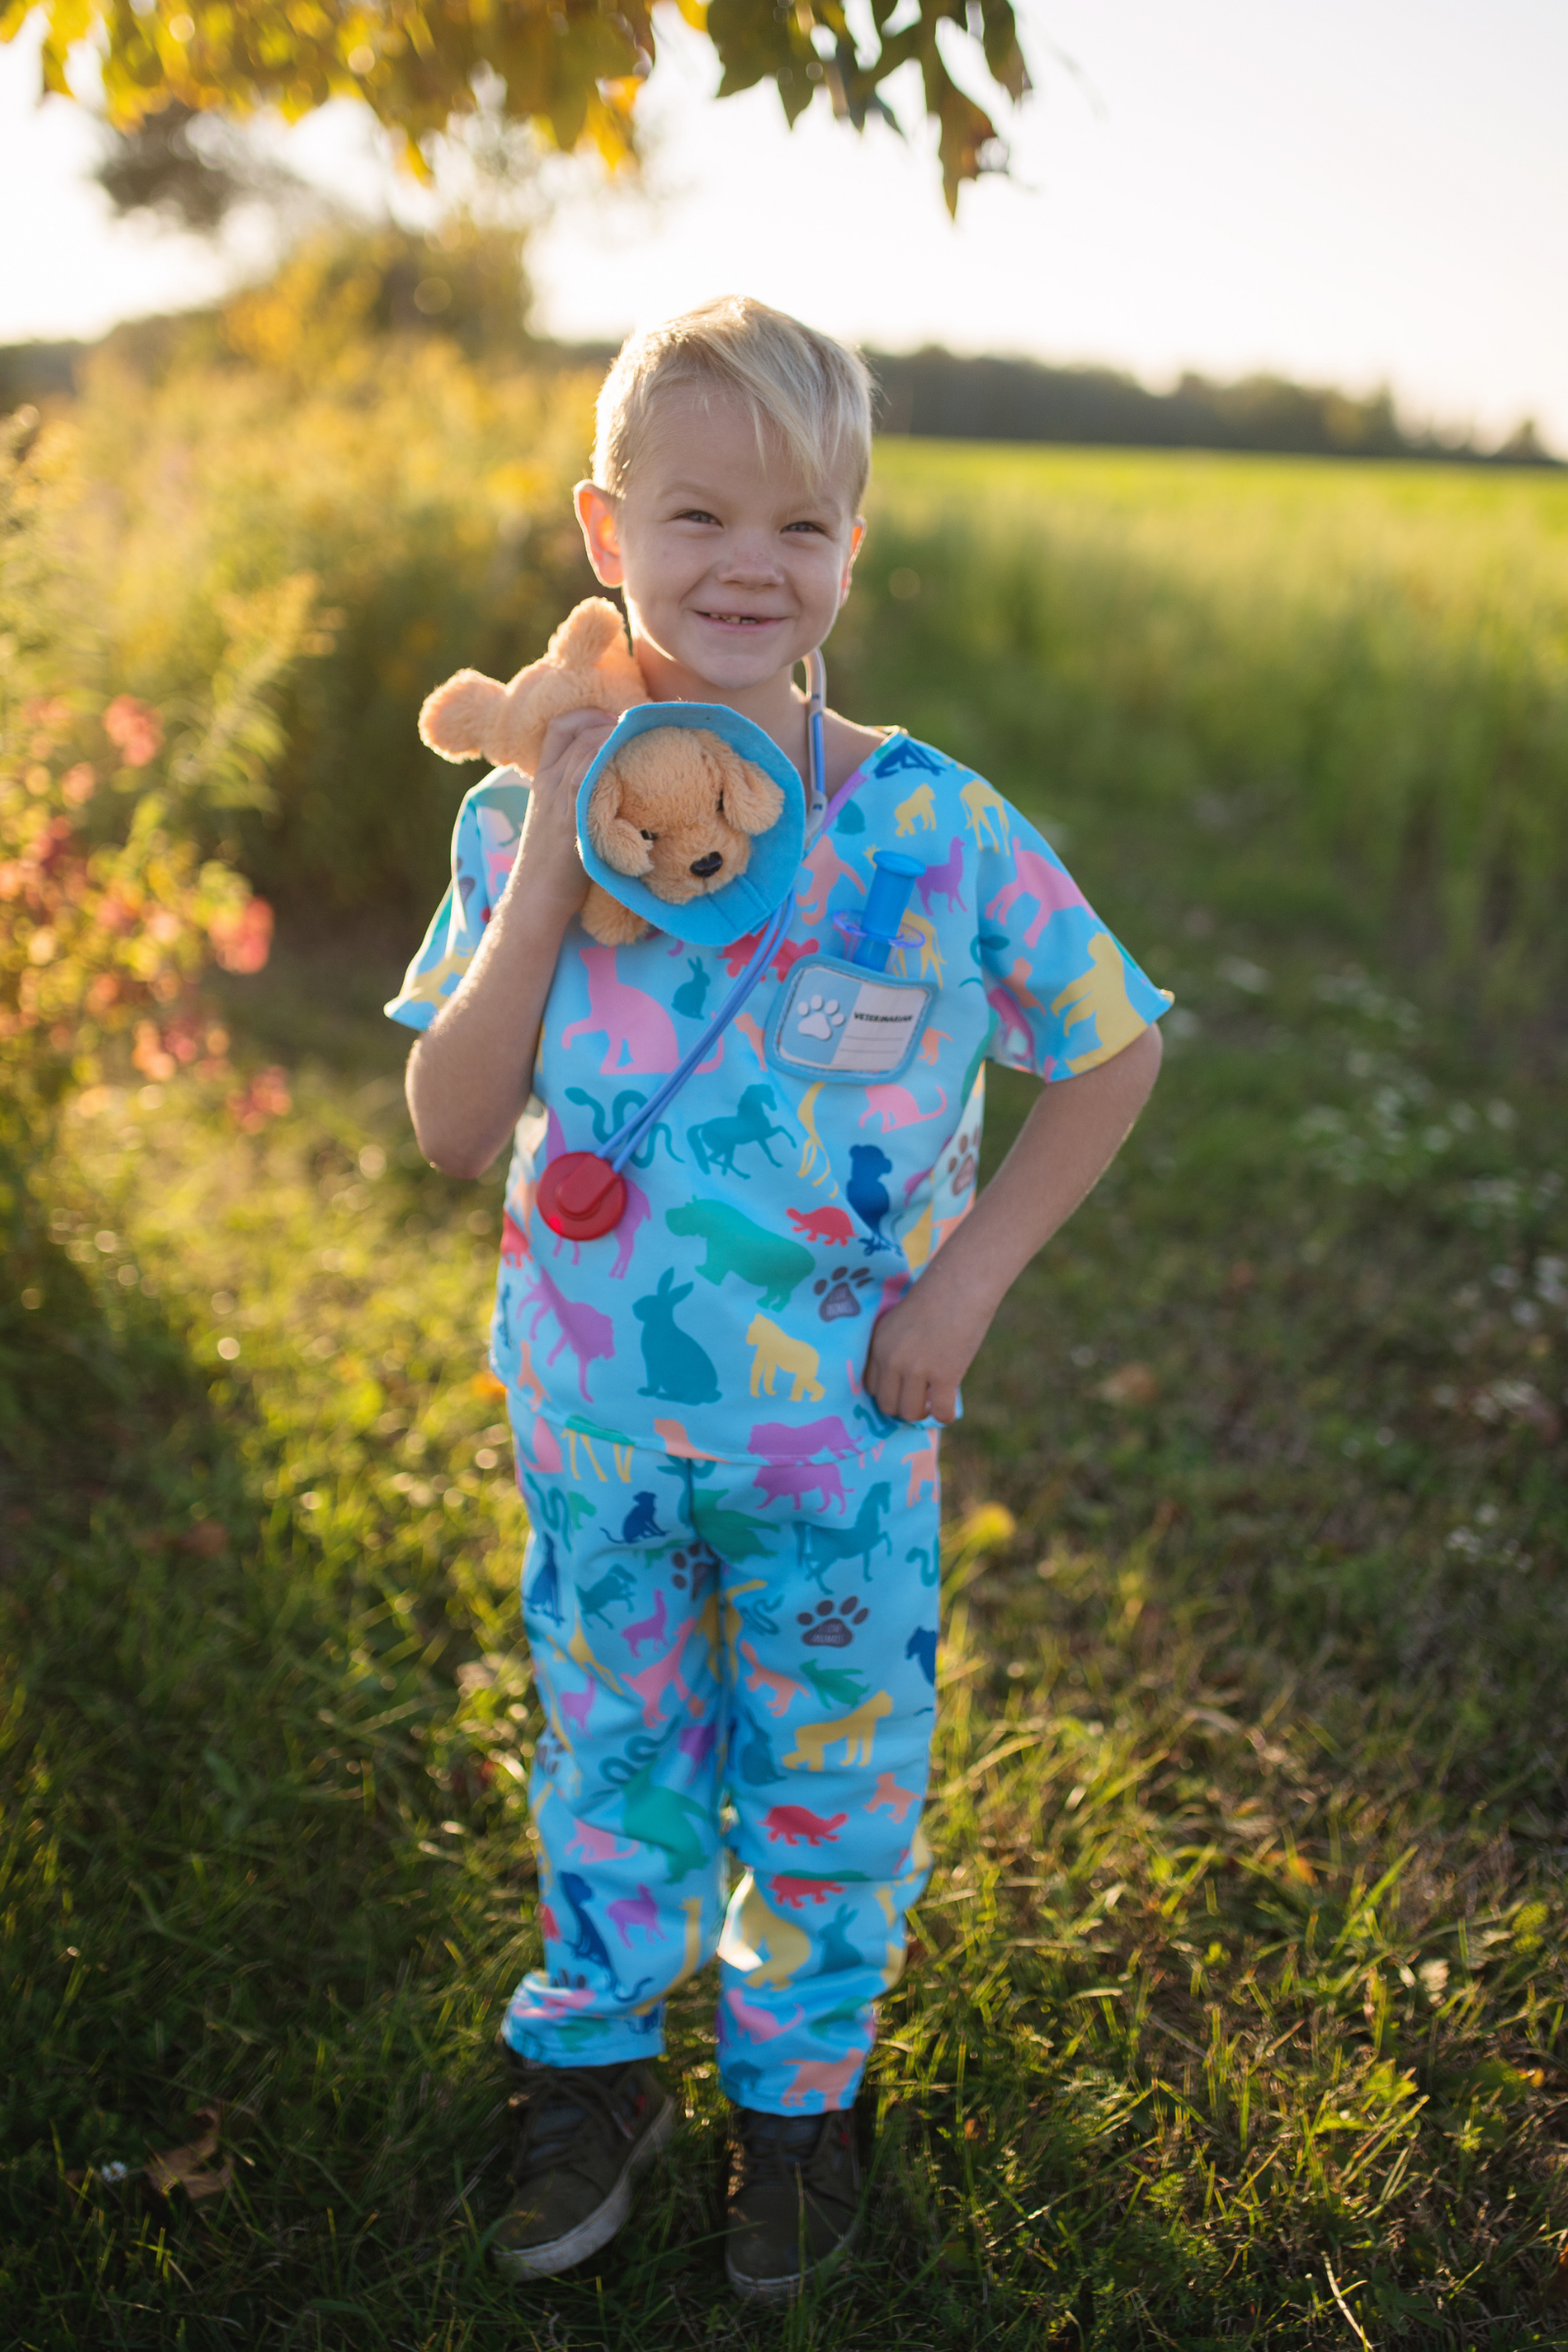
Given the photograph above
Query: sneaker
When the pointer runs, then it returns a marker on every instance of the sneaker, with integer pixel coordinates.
(584, 2133)
(794, 2200)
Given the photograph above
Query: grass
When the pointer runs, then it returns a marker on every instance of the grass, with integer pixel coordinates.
(1238, 2013)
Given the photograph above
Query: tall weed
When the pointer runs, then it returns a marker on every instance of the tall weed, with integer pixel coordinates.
(431, 502)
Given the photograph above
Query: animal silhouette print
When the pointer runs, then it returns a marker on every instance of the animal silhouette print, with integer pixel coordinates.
(1099, 995)
(922, 1469)
(639, 1034)
(759, 2025)
(819, 1546)
(766, 1950)
(652, 1628)
(678, 1368)
(616, 1584)
(868, 1195)
(943, 881)
(1042, 879)
(543, 1597)
(635, 1911)
(715, 1142)
(776, 1352)
(691, 995)
(785, 1473)
(857, 1732)
(583, 1329)
(905, 753)
(797, 1823)
(829, 2079)
(641, 1521)
(922, 1647)
(735, 1245)
(828, 1226)
(835, 1686)
(918, 811)
(891, 1798)
(777, 1690)
(988, 813)
(662, 1817)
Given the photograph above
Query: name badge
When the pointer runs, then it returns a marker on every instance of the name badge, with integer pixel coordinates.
(834, 1020)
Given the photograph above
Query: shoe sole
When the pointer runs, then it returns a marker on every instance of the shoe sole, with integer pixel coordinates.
(601, 2226)
(793, 2282)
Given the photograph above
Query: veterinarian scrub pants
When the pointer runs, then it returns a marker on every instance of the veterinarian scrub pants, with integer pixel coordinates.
(705, 1632)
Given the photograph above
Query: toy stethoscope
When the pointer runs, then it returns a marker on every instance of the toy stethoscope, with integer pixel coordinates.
(582, 1195)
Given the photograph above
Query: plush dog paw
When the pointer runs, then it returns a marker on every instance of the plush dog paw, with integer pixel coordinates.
(609, 922)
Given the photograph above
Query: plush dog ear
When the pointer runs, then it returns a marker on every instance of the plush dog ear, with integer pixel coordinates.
(620, 843)
(456, 717)
(752, 799)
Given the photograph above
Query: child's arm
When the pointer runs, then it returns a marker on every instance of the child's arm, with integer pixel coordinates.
(470, 1075)
(922, 1347)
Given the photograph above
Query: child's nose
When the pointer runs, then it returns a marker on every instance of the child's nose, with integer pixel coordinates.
(703, 867)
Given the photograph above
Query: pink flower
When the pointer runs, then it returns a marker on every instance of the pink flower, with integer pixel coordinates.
(242, 935)
(134, 728)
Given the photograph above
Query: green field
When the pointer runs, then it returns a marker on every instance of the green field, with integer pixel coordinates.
(1237, 2015)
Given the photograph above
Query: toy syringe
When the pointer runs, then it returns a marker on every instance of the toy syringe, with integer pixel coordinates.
(874, 933)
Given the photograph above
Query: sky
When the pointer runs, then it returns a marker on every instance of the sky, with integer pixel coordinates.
(1371, 191)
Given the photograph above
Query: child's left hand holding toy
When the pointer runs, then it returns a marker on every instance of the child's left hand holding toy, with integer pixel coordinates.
(922, 1347)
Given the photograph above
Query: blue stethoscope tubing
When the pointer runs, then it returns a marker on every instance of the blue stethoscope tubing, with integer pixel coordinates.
(819, 813)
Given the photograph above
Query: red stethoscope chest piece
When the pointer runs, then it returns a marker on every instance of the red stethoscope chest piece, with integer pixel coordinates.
(581, 1197)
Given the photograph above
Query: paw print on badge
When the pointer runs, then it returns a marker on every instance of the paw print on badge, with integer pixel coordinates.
(844, 1297)
(832, 1624)
(819, 1018)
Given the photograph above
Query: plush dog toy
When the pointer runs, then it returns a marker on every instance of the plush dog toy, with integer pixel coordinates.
(676, 807)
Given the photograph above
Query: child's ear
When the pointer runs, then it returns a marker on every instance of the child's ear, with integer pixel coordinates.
(620, 843)
(601, 533)
(752, 799)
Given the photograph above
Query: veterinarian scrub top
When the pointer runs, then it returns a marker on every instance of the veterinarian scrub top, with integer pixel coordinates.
(820, 1156)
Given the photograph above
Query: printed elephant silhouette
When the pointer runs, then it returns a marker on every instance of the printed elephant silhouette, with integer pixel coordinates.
(680, 1370)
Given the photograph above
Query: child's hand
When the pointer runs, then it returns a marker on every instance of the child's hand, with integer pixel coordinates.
(922, 1347)
(548, 851)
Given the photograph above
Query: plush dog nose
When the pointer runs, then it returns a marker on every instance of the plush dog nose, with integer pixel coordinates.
(703, 867)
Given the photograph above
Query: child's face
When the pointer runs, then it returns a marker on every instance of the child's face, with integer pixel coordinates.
(732, 567)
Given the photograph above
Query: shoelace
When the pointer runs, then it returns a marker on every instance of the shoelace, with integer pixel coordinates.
(776, 2147)
(556, 2110)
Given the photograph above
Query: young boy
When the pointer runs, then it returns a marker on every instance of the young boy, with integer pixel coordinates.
(726, 1412)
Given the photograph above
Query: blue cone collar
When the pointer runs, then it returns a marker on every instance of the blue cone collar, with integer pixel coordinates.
(747, 902)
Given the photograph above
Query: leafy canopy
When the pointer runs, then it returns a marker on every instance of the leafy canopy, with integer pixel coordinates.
(571, 67)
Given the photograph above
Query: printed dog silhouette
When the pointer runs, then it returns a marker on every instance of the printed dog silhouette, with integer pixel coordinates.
(858, 1732)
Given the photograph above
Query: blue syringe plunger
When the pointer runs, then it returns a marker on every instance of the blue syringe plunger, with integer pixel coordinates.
(895, 878)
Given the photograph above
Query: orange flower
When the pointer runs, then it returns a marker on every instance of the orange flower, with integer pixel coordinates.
(134, 728)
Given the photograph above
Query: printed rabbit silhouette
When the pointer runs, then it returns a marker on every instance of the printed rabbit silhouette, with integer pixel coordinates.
(678, 1369)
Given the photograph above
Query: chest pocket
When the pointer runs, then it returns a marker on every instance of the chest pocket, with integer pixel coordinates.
(834, 1020)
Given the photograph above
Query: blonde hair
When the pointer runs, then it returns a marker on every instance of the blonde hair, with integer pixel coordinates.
(814, 393)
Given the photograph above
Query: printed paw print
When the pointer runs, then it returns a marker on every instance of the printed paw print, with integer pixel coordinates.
(959, 1165)
(832, 1624)
(819, 1018)
(844, 1297)
(677, 1561)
